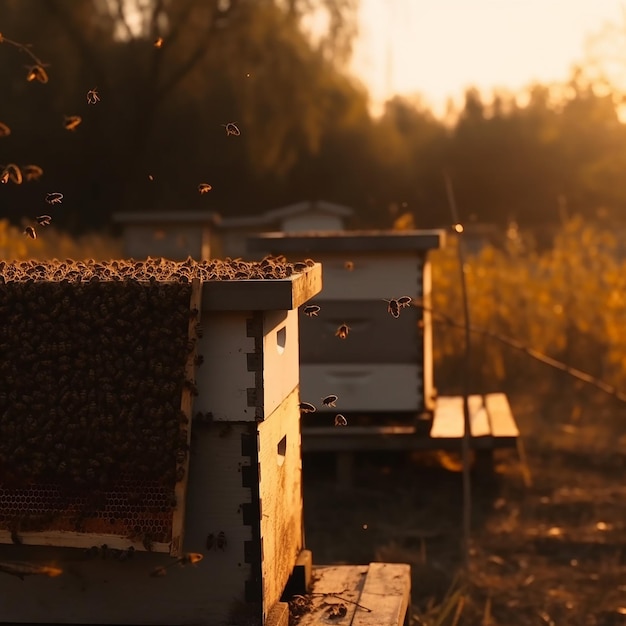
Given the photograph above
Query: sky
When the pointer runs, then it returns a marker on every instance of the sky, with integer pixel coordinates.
(437, 48)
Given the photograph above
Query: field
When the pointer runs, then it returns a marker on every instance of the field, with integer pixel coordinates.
(553, 553)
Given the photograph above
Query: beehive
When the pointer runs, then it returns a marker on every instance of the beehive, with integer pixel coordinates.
(384, 364)
(138, 403)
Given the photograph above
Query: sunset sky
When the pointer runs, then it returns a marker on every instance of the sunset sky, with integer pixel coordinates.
(439, 47)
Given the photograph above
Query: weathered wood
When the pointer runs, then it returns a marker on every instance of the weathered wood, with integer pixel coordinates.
(490, 417)
(280, 493)
(374, 595)
(186, 407)
(387, 592)
(331, 585)
(278, 615)
(348, 240)
(262, 295)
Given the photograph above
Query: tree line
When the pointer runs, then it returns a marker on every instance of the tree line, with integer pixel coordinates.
(171, 75)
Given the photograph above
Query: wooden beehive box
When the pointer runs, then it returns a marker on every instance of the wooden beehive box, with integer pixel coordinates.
(384, 364)
(204, 357)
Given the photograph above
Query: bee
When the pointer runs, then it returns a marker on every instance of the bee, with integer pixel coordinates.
(54, 197)
(19, 569)
(158, 43)
(150, 177)
(210, 541)
(190, 558)
(305, 407)
(330, 400)
(36, 72)
(342, 331)
(147, 542)
(92, 96)
(340, 420)
(393, 308)
(221, 542)
(30, 231)
(32, 172)
(15, 533)
(311, 310)
(231, 129)
(72, 121)
(11, 173)
(204, 187)
(5, 131)
(404, 301)
(43, 220)
(349, 265)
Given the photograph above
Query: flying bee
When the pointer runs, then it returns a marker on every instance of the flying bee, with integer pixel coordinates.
(54, 197)
(404, 301)
(305, 407)
(32, 172)
(342, 331)
(43, 220)
(340, 420)
(12, 173)
(36, 72)
(190, 558)
(92, 96)
(221, 542)
(72, 121)
(311, 310)
(330, 400)
(393, 308)
(5, 131)
(231, 129)
(19, 569)
(158, 42)
(30, 231)
(204, 187)
(349, 265)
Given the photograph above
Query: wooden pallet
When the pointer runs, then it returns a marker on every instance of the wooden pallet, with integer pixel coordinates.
(378, 594)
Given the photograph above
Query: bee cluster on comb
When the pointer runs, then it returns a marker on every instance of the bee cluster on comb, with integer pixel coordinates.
(93, 360)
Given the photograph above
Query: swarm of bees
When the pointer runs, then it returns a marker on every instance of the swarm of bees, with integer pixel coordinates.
(92, 369)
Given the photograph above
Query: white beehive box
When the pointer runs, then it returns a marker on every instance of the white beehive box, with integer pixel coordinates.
(384, 364)
(243, 484)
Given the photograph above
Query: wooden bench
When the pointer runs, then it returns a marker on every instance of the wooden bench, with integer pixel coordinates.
(378, 594)
(492, 425)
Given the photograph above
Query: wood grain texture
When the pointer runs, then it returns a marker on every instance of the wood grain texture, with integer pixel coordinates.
(493, 418)
(280, 491)
(186, 407)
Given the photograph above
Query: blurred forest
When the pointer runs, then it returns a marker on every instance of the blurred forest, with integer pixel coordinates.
(307, 132)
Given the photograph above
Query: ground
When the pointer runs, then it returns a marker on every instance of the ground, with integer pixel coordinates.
(549, 553)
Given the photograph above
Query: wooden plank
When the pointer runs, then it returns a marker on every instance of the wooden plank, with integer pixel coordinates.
(262, 294)
(186, 406)
(386, 592)
(501, 417)
(334, 584)
(280, 493)
(348, 240)
(448, 417)
(278, 615)
(365, 387)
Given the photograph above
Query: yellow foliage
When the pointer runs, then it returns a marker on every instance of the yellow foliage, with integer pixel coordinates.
(568, 302)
